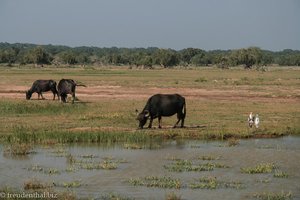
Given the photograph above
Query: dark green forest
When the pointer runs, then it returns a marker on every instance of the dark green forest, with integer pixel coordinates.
(22, 54)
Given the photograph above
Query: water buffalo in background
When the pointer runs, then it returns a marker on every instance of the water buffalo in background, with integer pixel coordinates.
(40, 86)
(65, 87)
(163, 105)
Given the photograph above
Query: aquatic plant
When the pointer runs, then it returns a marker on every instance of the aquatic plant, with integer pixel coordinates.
(45, 170)
(280, 174)
(70, 169)
(155, 181)
(260, 168)
(205, 183)
(88, 156)
(173, 196)
(209, 157)
(34, 184)
(233, 142)
(186, 165)
(72, 184)
(16, 149)
(106, 164)
(265, 180)
(113, 196)
(180, 165)
(70, 159)
(133, 146)
(60, 150)
(213, 183)
(274, 196)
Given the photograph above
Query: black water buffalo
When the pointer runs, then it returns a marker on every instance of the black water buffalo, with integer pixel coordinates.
(40, 86)
(163, 105)
(65, 87)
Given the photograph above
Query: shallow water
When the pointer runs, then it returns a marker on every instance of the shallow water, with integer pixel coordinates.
(133, 163)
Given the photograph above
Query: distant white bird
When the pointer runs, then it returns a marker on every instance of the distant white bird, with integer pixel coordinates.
(251, 120)
(256, 120)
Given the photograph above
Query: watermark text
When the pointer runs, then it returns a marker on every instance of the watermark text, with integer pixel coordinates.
(23, 195)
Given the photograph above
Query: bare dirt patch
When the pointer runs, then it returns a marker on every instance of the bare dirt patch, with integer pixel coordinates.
(95, 93)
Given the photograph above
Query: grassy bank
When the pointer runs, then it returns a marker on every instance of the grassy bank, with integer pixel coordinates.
(273, 94)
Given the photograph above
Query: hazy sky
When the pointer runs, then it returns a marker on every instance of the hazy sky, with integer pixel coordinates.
(177, 24)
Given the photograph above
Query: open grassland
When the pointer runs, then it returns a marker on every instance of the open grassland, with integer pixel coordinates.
(218, 104)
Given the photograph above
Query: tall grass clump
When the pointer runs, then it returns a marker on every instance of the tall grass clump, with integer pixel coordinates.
(22, 134)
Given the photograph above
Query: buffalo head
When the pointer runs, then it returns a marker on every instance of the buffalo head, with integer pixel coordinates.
(28, 95)
(142, 118)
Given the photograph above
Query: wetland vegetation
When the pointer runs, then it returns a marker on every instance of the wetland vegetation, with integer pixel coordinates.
(94, 145)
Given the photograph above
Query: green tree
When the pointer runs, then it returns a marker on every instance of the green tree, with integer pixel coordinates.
(68, 57)
(201, 59)
(247, 57)
(186, 55)
(166, 57)
(146, 61)
(38, 55)
(8, 55)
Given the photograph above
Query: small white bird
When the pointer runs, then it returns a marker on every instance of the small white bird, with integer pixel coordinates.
(250, 120)
(256, 121)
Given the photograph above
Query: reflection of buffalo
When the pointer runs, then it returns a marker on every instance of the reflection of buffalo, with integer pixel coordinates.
(65, 87)
(163, 105)
(40, 86)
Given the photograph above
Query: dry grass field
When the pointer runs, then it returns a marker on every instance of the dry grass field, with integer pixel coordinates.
(218, 103)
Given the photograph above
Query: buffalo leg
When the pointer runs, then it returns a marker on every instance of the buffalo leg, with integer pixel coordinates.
(53, 96)
(150, 123)
(63, 98)
(182, 123)
(175, 125)
(180, 116)
(73, 97)
(40, 94)
(159, 122)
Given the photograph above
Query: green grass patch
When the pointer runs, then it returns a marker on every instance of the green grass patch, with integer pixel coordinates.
(106, 137)
(180, 165)
(214, 183)
(155, 181)
(280, 174)
(209, 157)
(274, 196)
(217, 111)
(38, 107)
(259, 168)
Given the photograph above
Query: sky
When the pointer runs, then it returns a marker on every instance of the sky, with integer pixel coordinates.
(177, 24)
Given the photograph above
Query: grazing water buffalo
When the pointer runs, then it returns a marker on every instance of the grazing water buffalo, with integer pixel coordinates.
(40, 86)
(65, 87)
(163, 105)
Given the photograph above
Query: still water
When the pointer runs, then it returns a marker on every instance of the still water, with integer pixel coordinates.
(60, 165)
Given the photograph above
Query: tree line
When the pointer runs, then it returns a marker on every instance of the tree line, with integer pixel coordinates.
(22, 53)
